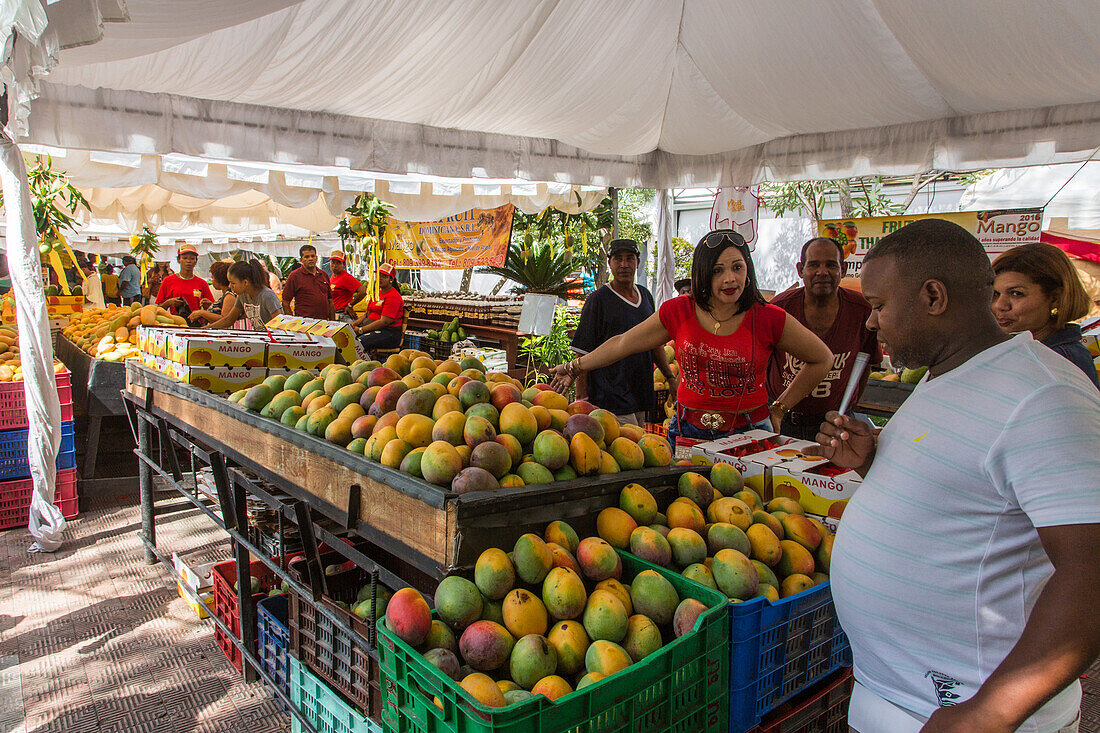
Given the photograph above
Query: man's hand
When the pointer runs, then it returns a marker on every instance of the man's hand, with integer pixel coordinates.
(847, 442)
(562, 378)
(966, 717)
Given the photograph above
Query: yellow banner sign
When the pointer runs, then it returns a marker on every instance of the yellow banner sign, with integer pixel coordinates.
(998, 230)
(476, 238)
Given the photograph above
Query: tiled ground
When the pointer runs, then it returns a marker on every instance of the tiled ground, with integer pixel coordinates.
(93, 640)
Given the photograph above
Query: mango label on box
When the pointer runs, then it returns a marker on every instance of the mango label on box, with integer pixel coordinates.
(199, 350)
(819, 486)
(219, 380)
(297, 355)
(347, 346)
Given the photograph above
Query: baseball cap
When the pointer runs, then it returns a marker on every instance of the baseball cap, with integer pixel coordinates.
(622, 245)
(187, 249)
(338, 255)
(387, 269)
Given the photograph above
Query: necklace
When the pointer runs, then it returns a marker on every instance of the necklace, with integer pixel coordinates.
(718, 323)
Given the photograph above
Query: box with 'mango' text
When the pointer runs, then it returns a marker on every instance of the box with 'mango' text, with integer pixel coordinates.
(819, 486)
(753, 453)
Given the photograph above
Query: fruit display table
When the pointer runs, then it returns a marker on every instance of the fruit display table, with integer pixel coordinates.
(508, 337)
(432, 528)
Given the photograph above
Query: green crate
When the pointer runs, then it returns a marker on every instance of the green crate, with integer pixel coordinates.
(325, 710)
(681, 688)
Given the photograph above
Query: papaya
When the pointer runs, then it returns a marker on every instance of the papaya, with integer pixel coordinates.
(148, 315)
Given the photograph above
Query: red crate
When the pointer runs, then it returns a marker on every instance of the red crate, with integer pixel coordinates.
(13, 403)
(226, 606)
(656, 429)
(821, 709)
(15, 498)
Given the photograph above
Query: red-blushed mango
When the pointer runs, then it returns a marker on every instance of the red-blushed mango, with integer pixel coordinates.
(501, 395)
(620, 591)
(440, 636)
(362, 427)
(800, 529)
(766, 574)
(584, 454)
(605, 616)
(492, 457)
(417, 401)
(631, 432)
(701, 574)
(408, 616)
(771, 522)
(642, 637)
(455, 386)
(820, 526)
(721, 536)
(651, 546)
(440, 463)
(735, 575)
(415, 429)
(511, 480)
(590, 678)
(445, 404)
(550, 450)
(598, 559)
(785, 504)
(765, 545)
(382, 376)
(377, 442)
(686, 545)
(608, 464)
(552, 687)
(458, 602)
(730, 510)
(609, 423)
(478, 430)
(824, 554)
(445, 661)
(794, 584)
(656, 451)
(524, 613)
(563, 558)
(532, 659)
(560, 533)
(534, 473)
(687, 514)
(582, 423)
(795, 559)
(388, 395)
(542, 417)
(393, 453)
(551, 400)
(449, 428)
(580, 407)
(570, 641)
(636, 501)
(519, 422)
(389, 420)
(696, 487)
(615, 526)
(687, 613)
(532, 558)
(653, 596)
(627, 454)
(515, 450)
(558, 419)
(494, 574)
(563, 594)
(482, 688)
(606, 658)
(472, 393)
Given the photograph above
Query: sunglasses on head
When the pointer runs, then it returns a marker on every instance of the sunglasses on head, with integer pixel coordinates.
(718, 236)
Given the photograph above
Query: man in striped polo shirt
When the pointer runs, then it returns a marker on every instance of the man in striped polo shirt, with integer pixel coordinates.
(965, 571)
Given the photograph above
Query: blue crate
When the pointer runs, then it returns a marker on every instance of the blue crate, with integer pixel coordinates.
(13, 452)
(273, 639)
(412, 340)
(779, 649)
(326, 710)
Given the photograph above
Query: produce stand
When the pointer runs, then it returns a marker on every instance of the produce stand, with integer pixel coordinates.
(882, 398)
(97, 389)
(507, 336)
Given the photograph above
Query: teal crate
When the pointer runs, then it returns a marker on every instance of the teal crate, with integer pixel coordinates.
(681, 688)
(323, 707)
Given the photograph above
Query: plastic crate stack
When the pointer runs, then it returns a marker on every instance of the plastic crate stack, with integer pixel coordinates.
(16, 485)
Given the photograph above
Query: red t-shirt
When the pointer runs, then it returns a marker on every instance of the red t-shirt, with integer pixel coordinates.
(723, 373)
(389, 303)
(343, 287)
(310, 293)
(847, 337)
(192, 290)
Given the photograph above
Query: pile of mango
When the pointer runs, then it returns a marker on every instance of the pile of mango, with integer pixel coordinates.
(110, 333)
(451, 424)
(11, 370)
(553, 616)
(905, 376)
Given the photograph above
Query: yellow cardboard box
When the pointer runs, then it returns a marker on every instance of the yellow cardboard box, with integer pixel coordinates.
(347, 345)
(219, 380)
(299, 351)
(214, 348)
(754, 453)
(820, 487)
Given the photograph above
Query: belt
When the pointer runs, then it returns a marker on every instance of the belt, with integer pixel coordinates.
(805, 420)
(721, 420)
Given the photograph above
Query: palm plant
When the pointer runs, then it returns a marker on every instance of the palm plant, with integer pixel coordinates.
(538, 267)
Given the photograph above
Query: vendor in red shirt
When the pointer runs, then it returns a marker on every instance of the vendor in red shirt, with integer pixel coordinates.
(184, 292)
(380, 326)
(308, 288)
(724, 334)
(346, 290)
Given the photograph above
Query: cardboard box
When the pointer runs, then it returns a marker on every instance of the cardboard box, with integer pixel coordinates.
(754, 453)
(219, 380)
(820, 487)
(348, 348)
(298, 324)
(287, 350)
(196, 576)
(495, 360)
(214, 349)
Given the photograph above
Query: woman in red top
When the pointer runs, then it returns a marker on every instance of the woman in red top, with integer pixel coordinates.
(380, 326)
(725, 334)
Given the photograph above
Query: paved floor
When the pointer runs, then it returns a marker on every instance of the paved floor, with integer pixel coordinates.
(93, 640)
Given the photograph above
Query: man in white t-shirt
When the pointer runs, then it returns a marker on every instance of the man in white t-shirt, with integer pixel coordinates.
(965, 571)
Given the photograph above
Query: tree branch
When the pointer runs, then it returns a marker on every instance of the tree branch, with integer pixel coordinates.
(916, 187)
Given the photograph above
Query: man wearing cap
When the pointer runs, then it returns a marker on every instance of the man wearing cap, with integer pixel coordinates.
(184, 292)
(346, 290)
(380, 326)
(308, 288)
(625, 387)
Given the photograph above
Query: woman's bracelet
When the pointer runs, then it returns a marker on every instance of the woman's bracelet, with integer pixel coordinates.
(573, 368)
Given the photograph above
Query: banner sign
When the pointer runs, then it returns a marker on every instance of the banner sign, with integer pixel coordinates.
(737, 208)
(475, 238)
(998, 230)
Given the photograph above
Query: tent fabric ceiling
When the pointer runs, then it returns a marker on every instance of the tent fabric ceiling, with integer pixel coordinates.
(620, 92)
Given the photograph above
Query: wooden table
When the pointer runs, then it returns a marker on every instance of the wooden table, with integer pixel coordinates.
(508, 337)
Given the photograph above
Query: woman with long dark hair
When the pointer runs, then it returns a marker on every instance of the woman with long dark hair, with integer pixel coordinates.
(725, 334)
(255, 300)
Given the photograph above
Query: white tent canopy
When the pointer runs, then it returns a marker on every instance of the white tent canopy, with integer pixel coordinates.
(622, 92)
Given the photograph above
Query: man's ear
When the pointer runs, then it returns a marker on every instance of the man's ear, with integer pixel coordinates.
(933, 295)
(798, 269)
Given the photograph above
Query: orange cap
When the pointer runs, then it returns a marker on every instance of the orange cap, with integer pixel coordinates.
(387, 269)
(338, 255)
(187, 249)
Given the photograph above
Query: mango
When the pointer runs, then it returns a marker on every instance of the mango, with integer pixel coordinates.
(765, 545)
(621, 592)
(512, 445)
(314, 385)
(726, 479)
(633, 433)
(615, 526)
(552, 687)
(721, 536)
(534, 473)
(584, 453)
(550, 449)
(445, 404)
(605, 616)
(627, 454)
(339, 432)
(393, 453)
(653, 596)
(819, 578)
(570, 641)
(565, 473)
(292, 415)
(701, 574)
(687, 514)
(478, 430)
(696, 487)
(482, 688)
(636, 501)
(766, 574)
(687, 613)
(563, 594)
(751, 499)
(397, 363)
(347, 395)
(485, 645)
(315, 401)
(532, 558)
(492, 610)
(800, 529)
(824, 554)
(501, 395)
(280, 403)
(598, 559)
(415, 429)
(410, 464)
(256, 398)
(449, 427)
(655, 450)
(533, 658)
(440, 636)
(560, 533)
(607, 464)
(795, 559)
(735, 574)
(320, 420)
(687, 546)
(408, 616)
(440, 463)
(642, 637)
(730, 510)
(589, 678)
(511, 480)
(563, 558)
(458, 602)
(785, 504)
(771, 522)
(416, 401)
(606, 658)
(651, 546)
(542, 418)
(492, 457)
(551, 400)
(337, 379)
(794, 584)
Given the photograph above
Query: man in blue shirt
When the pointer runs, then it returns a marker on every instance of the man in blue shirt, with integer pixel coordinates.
(129, 281)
